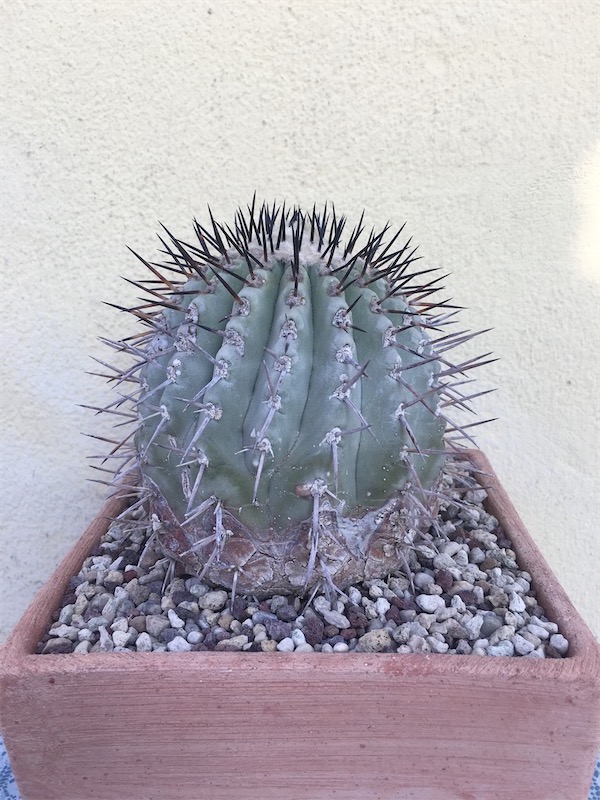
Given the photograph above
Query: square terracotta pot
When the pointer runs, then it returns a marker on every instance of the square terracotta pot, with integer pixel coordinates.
(235, 726)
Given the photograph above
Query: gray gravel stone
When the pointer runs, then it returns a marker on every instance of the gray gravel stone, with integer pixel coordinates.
(105, 644)
(503, 648)
(156, 624)
(65, 632)
(95, 623)
(490, 623)
(121, 606)
(121, 638)
(501, 633)
(521, 645)
(58, 646)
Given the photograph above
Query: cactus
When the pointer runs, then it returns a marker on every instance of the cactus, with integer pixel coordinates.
(292, 390)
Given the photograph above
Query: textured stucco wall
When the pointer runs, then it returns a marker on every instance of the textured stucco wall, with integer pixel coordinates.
(477, 121)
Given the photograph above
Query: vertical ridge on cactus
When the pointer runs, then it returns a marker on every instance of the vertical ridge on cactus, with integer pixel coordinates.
(292, 394)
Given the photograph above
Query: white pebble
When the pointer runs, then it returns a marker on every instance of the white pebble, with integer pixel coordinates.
(503, 648)
(538, 631)
(304, 648)
(337, 619)
(430, 602)
(298, 637)
(109, 612)
(559, 643)
(354, 595)
(176, 622)
(423, 579)
(285, 645)
(143, 643)
(551, 627)
(522, 646)
(382, 606)
(83, 647)
(459, 604)
(341, 647)
(66, 614)
(436, 645)
(516, 603)
(65, 632)
(321, 605)
(120, 638)
(106, 643)
(120, 624)
(179, 645)
(194, 637)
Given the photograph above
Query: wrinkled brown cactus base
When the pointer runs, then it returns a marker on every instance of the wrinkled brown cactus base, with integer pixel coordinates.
(264, 563)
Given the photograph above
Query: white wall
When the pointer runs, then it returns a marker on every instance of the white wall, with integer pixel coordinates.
(477, 121)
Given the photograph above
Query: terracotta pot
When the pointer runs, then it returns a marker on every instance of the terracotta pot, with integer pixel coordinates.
(236, 726)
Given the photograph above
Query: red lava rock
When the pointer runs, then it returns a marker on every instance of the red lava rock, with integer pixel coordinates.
(444, 579)
(404, 604)
(467, 596)
(356, 616)
(313, 628)
(277, 629)
(347, 634)
(393, 613)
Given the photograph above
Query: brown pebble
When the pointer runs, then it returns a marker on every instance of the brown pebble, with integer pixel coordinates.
(444, 579)
(130, 573)
(139, 623)
(489, 563)
(393, 613)
(58, 646)
(330, 630)
(348, 633)
(467, 596)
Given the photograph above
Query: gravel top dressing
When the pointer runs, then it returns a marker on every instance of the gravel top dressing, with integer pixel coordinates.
(460, 591)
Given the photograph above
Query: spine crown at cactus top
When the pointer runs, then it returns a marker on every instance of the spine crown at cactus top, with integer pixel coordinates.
(293, 386)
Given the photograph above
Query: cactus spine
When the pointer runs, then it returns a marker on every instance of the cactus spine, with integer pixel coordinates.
(292, 397)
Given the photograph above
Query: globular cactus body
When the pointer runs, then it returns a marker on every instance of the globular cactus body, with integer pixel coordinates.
(291, 402)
